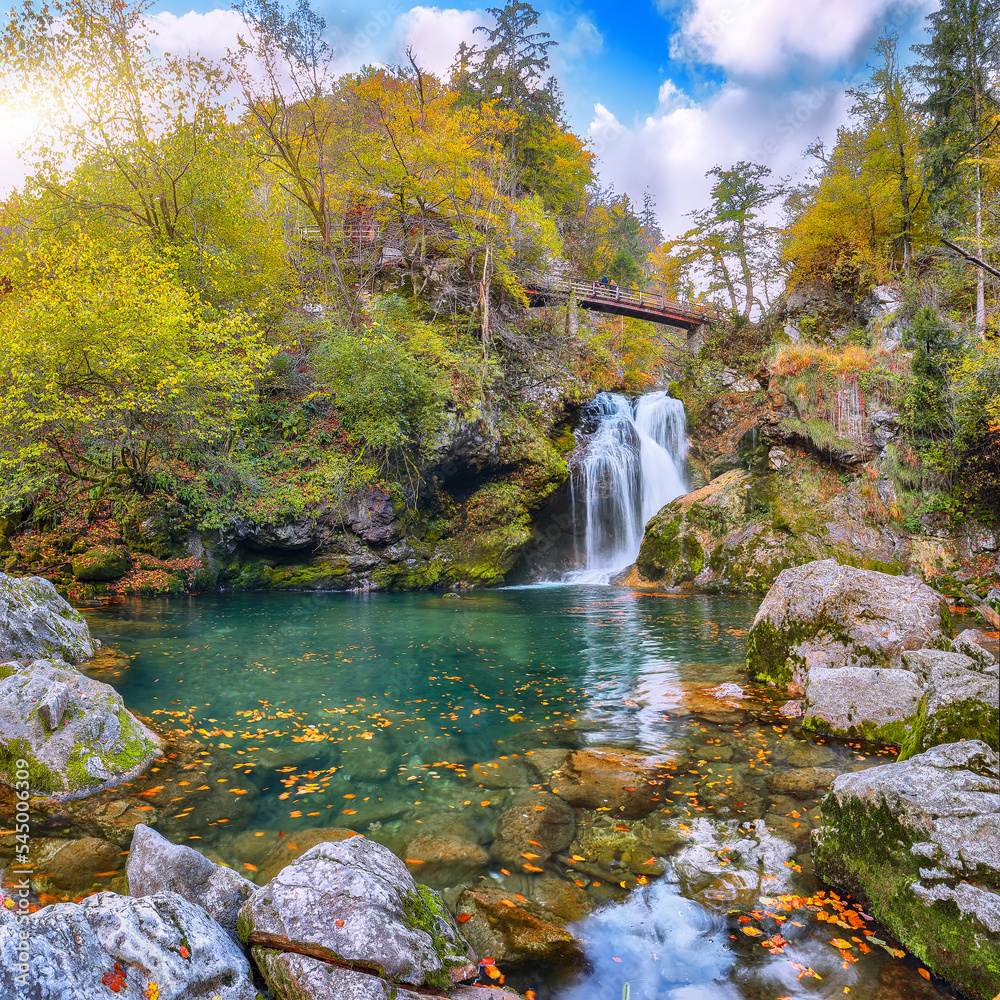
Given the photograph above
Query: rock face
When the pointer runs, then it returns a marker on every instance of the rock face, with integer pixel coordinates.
(78, 949)
(74, 733)
(36, 623)
(156, 865)
(355, 903)
(961, 701)
(823, 614)
(919, 841)
(514, 930)
(627, 783)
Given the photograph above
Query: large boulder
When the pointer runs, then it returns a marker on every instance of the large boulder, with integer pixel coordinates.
(919, 842)
(627, 783)
(871, 703)
(961, 701)
(157, 865)
(36, 623)
(79, 951)
(294, 845)
(823, 614)
(73, 734)
(355, 903)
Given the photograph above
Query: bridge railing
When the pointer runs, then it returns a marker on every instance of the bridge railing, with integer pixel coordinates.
(654, 301)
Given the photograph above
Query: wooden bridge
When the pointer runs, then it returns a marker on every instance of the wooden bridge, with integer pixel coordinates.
(650, 306)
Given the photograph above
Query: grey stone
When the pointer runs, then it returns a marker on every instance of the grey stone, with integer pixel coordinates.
(98, 744)
(960, 703)
(872, 703)
(387, 924)
(36, 622)
(157, 865)
(53, 705)
(827, 615)
(161, 938)
(884, 427)
(889, 830)
(532, 816)
(299, 977)
(975, 645)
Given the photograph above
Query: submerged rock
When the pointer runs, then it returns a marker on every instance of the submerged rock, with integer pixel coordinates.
(155, 865)
(532, 823)
(77, 949)
(74, 733)
(919, 842)
(823, 614)
(513, 929)
(355, 903)
(627, 783)
(36, 623)
(443, 861)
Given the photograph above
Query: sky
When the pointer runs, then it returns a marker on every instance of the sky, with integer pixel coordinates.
(663, 90)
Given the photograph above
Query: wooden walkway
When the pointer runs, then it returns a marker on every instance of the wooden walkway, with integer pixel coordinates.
(631, 302)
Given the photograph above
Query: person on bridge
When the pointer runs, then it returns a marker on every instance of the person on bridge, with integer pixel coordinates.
(602, 284)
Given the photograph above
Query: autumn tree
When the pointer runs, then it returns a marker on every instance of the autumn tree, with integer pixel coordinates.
(110, 365)
(731, 246)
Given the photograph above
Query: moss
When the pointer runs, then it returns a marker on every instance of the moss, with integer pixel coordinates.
(41, 777)
(866, 850)
(243, 927)
(661, 550)
(102, 563)
(769, 656)
(425, 912)
(971, 719)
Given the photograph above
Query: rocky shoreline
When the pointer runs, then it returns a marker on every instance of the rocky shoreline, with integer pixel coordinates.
(335, 913)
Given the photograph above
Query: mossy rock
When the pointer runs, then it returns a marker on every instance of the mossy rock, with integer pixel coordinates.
(102, 563)
(912, 841)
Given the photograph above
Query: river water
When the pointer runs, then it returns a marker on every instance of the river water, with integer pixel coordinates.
(369, 712)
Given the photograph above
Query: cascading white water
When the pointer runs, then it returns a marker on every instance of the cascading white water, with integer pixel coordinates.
(632, 467)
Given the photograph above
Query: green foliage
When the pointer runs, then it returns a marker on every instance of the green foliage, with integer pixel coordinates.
(386, 397)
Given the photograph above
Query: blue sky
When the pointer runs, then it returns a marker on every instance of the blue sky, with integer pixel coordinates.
(663, 89)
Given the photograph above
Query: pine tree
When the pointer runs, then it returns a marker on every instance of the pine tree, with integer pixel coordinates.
(959, 70)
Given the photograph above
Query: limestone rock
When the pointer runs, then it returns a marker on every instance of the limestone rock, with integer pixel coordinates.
(160, 939)
(961, 702)
(627, 783)
(35, 622)
(155, 865)
(512, 930)
(919, 842)
(443, 861)
(800, 783)
(537, 817)
(102, 563)
(872, 703)
(976, 645)
(500, 774)
(827, 615)
(294, 845)
(355, 903)
(98, 744)
(565, 900)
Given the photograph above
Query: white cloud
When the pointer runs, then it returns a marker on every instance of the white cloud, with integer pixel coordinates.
(584, 39)
(209, 35)
(670, 151)
(435, 35)
(764, 37)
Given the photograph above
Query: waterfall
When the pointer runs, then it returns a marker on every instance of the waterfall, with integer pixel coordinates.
(632, 466)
